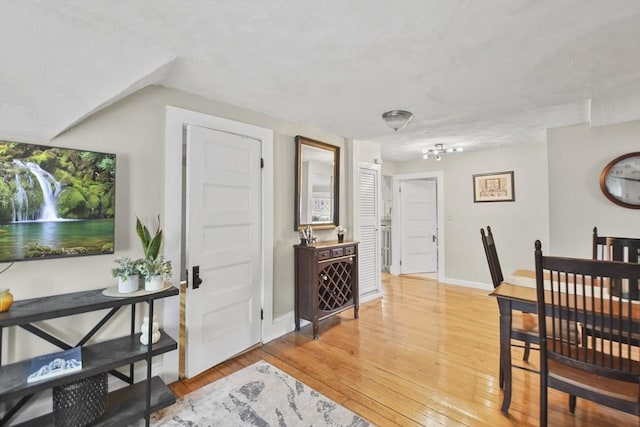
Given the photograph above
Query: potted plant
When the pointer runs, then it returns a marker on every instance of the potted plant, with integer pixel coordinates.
(154, 271)
(127, 274)
(153, 268)
(340, 230)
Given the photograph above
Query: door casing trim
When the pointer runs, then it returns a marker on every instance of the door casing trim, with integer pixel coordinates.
(175, 120)
(396, 216)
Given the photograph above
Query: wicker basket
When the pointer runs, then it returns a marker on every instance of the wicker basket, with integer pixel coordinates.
(81, 402)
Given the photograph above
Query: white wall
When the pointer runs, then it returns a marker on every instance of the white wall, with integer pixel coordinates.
(577, 155)
(558, 198)
(134, 129)
(388, 168)
(516, 225)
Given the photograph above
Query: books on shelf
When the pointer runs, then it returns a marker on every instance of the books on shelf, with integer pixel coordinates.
(52, 365)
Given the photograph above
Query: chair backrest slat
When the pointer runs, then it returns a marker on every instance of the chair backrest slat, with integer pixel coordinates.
(622, 249)
(492, 256)
(575, 292)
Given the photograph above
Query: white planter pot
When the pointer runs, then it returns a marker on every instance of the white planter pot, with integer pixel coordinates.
(130, 284)
(154, 283)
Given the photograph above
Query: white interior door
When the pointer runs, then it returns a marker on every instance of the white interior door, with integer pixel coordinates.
(369, 234)
(224, 243)
(419, 226)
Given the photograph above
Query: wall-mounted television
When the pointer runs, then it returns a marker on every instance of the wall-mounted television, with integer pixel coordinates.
(55, 202)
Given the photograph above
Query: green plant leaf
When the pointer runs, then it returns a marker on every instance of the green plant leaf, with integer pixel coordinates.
(140, 229)
(154, 247)
(150, 245)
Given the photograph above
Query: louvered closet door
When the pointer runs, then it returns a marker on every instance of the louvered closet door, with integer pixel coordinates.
(369, 251)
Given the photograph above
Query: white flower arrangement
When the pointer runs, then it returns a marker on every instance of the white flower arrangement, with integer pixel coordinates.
(341, 230)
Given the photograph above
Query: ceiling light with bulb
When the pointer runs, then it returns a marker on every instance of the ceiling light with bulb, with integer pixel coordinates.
(397, 119)
(438, 151)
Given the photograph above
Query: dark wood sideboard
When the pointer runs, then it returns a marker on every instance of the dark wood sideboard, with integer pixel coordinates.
(326, 281)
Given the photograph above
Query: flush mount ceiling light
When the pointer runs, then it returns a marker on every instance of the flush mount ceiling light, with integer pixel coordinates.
(397, 119)
(439, 151)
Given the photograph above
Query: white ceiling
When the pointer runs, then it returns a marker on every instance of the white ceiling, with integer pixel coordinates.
(474, 73)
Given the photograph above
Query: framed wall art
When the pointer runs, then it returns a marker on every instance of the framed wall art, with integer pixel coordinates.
(493, 187)
(55, 202)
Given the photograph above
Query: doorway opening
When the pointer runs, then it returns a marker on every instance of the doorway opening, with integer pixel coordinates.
(417, 218)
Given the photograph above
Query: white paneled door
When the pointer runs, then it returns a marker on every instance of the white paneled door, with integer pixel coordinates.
(419, 226)
(223, 246)
(369, 260)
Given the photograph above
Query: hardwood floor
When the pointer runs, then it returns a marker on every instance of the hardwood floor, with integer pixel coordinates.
(424, 354)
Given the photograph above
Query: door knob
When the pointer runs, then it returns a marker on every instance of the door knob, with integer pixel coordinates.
(197, 281)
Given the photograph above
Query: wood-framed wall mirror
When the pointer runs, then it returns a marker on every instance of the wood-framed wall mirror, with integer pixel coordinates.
(317, 184)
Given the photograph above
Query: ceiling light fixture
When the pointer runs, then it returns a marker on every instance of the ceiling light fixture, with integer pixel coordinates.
(397, 119)
(439, 151)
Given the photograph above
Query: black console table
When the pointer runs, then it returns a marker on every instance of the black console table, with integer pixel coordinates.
(125, 405)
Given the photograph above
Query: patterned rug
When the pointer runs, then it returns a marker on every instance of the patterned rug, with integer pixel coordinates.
(258, 395)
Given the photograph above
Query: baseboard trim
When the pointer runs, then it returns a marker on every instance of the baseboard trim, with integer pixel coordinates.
(279, 326)
(468, 284)
(370, 297)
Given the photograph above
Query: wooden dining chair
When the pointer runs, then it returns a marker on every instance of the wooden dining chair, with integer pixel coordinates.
(524, 326)
(599, 244)
(623, 249)
(607, 371)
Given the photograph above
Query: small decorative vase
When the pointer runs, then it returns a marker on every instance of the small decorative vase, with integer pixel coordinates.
(130, 284)
(155, 331)
(154, 283)
(6, 299)
(340, 238)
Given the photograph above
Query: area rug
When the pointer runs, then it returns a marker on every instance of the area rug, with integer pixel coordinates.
(258, 395)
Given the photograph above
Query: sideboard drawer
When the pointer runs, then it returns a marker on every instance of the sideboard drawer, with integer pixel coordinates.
(336, 252)
(322, 255)
(350, 250)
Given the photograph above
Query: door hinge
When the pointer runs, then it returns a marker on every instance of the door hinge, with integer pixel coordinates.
(261, 163)
(261, 314)
(399, 189)
(400, 262)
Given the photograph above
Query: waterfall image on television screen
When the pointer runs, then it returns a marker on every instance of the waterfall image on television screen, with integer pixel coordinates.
(55, 202)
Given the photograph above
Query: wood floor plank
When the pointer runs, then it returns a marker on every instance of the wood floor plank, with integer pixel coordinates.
(424, 354)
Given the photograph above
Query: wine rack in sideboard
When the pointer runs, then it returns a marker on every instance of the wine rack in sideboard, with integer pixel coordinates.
(326, 281)
(133, 402)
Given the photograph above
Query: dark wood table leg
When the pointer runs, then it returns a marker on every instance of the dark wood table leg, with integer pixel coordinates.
(296, 298)
(315, 327)
(505, 353)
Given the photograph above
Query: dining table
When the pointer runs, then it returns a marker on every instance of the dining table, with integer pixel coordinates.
(518, 292)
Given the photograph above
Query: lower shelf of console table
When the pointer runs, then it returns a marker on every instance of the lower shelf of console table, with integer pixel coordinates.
(125, 405)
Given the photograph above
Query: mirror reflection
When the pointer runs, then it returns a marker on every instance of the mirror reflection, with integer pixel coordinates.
(316, 184)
